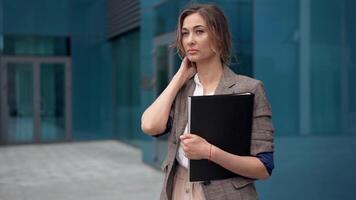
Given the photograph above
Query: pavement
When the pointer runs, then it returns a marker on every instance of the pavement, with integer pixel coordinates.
(100, 170)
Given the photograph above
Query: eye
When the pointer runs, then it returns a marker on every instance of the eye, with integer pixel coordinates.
(184, 33)
(198, 32)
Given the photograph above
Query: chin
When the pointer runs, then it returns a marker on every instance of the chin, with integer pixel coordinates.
(193, 58)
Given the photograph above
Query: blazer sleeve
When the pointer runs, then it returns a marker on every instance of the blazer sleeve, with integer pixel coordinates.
(262, 128)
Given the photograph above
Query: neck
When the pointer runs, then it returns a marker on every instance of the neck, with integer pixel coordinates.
(209, 73)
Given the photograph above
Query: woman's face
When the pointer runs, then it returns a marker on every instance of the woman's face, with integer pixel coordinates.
(196, 39)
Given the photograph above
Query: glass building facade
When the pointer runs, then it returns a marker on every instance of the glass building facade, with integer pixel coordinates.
(64, 79)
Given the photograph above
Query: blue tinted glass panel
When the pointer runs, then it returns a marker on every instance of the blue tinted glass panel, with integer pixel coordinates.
(52, 102)
(36, 45)
(127, 87)
(20, 114)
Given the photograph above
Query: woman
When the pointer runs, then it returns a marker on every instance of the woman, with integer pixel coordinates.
(203, 39)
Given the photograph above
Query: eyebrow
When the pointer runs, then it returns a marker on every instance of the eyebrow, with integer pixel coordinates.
(195, 27)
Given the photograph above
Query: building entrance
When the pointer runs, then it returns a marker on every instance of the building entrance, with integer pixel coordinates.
(35, 99)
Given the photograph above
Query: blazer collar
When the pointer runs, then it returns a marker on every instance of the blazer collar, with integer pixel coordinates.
(227, 81)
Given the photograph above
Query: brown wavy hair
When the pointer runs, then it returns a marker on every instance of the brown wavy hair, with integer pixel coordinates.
(217, 25)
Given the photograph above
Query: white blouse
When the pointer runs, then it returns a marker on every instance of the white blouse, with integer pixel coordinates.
(199, 90)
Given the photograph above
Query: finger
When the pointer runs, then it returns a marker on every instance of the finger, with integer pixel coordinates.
(187, 141)
(192, 135)
(188, 135)
(184, 136)
(186, 61)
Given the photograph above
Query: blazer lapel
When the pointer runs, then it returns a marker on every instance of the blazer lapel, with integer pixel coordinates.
(227, 82)
(182, 109)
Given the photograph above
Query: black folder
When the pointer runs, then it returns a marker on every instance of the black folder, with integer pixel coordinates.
(224, 121)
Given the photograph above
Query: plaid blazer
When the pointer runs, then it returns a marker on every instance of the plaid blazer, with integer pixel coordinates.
(261, 139)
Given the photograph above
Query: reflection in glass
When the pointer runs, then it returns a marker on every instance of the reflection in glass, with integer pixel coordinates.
(162, 69)
(127, 88)
(20, 102)
(35, 45)
(52, 102)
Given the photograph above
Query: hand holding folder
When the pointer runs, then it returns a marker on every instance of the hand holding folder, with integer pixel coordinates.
(224, 121)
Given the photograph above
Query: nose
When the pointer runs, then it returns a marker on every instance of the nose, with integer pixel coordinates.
(191, 39)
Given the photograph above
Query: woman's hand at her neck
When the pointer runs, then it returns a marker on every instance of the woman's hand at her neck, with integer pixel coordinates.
(154, 119)
(186, 71)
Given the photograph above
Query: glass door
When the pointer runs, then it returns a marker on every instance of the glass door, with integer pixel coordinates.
(52, 101)
(17, 102)
(35, 100)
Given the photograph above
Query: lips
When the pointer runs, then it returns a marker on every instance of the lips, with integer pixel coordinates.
(192, 51)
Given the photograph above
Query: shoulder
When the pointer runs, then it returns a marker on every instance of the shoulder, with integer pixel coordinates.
(252, 83)
(244, 83)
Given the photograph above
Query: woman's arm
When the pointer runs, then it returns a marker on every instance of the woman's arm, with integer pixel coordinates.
(248, 166)
(155, 117)
(195, 147)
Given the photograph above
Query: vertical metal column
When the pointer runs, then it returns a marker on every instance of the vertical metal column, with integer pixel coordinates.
(4, 109)
(304, 67)
(36, 102)
(68, 102)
